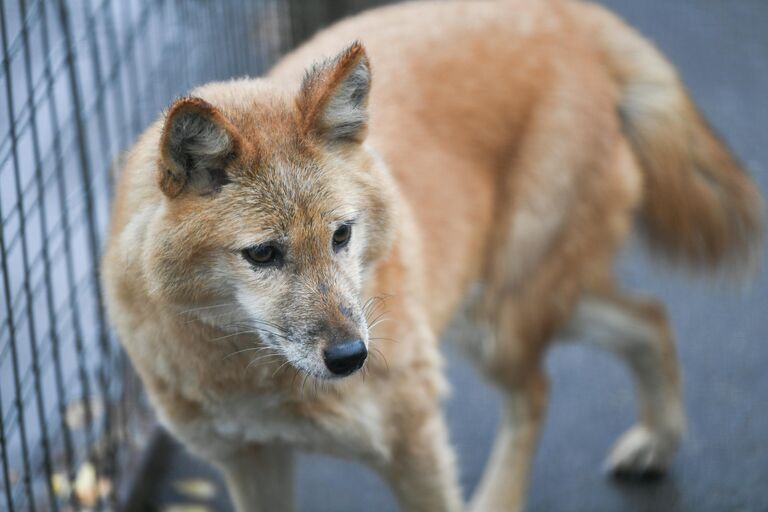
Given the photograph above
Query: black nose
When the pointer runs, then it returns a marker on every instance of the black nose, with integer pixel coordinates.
(345, 358)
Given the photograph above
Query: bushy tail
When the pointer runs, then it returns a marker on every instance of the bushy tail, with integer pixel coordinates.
(699, 207)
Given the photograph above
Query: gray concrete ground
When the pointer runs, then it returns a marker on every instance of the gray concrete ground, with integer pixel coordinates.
(721, 49)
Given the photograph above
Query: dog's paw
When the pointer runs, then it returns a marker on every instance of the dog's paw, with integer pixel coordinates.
(642, 453)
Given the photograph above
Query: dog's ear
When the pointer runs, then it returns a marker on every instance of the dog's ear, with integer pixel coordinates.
(333, 100)
(196, 146)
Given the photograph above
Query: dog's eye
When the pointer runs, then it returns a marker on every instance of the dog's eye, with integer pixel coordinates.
(341, 236)
(262, 255)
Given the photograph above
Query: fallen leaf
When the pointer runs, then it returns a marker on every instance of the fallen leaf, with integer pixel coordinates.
(60, 484)
(197, 488)
(105, 487)
(86, 487)
(76, 413)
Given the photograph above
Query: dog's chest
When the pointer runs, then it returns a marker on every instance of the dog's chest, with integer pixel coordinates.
(350, 428)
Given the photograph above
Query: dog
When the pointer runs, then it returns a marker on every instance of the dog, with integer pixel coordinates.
(286, 251)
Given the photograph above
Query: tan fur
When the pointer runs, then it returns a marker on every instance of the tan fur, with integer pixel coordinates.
(499, 160)
(699, 207)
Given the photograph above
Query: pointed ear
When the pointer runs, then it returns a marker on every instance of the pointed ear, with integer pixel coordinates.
(333, 101)
(196, 145)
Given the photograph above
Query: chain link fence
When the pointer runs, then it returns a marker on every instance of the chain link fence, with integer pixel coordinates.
(80, 79)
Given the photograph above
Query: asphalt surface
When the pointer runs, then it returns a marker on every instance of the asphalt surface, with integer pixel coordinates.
(721, 49)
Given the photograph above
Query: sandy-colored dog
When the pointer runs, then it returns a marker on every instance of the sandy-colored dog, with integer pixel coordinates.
(270, 234)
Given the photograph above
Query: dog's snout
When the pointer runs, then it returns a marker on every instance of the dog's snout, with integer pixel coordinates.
(345, 358)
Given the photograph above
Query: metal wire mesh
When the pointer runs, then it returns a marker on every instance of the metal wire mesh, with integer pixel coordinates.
(79, 80)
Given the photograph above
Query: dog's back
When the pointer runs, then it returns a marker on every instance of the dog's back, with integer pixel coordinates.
(507, 123)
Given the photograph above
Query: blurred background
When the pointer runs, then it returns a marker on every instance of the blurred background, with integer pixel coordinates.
(81, 78)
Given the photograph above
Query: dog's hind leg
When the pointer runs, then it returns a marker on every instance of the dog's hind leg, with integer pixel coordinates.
(637, 331)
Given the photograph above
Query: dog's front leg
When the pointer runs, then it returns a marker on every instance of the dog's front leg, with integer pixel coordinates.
(422, 470)
(260, 478)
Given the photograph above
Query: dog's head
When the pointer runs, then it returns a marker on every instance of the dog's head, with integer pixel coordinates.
(275, 211)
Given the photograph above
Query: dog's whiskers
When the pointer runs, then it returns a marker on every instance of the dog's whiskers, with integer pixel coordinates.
(297, 371)
(378, 321)
(303, 382)
(238, 333)
(379, 338)
(263, 358)
(280, 368)
(270, 324)
(372, 305)
(251, 330)
(249, 349)
(375, 311)
(203, 308)
(379, 353)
